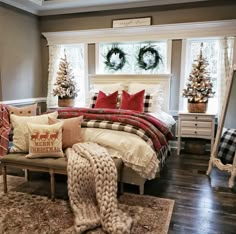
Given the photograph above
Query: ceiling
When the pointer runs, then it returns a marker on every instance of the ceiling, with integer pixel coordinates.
(53, 7)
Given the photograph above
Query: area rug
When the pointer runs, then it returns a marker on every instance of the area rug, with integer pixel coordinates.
(29, 213)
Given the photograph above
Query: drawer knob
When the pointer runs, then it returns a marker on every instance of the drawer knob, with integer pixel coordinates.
(196, 117)
(195, 132)
(195, 124)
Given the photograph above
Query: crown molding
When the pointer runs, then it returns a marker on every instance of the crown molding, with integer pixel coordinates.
(56, 7)
(153, 32)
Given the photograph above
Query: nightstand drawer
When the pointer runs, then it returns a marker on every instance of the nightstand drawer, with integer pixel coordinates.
(196, 124)
(196, 118)
(196, 132)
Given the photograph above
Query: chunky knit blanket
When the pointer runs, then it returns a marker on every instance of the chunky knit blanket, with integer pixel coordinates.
(92, 188)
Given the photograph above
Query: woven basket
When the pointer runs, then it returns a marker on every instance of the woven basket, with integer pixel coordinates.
(197, 107)
(66, 102)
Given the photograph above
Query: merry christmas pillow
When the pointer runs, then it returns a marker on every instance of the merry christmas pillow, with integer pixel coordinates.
(45, 140)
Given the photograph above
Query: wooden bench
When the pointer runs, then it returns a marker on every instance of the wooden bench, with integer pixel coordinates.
(51, 165)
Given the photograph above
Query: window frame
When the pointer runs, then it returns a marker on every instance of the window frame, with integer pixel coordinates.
(168, 56)
(184, 70)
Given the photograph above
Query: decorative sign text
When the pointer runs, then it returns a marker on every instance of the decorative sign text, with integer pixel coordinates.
(131, 22)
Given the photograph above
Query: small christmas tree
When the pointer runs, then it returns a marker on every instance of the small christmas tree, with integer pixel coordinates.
(66, 86)
(199, 87)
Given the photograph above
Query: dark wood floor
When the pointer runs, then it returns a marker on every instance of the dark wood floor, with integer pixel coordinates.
(202, 205)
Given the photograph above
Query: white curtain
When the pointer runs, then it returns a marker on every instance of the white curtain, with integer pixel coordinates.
(75, 56)
(226, 63)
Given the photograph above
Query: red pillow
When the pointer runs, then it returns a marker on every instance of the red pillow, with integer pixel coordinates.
(106, 101)
(132, 101)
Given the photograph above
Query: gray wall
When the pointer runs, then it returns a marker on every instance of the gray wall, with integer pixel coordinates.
(160, 15)
(20, 55)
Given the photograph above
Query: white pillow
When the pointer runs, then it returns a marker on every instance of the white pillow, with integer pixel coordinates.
(20, 129)
(155, 90)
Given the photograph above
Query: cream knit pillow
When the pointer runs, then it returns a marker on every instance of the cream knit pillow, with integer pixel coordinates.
(20, 129)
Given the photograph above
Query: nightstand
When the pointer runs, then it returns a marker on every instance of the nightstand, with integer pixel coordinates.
(196, 125)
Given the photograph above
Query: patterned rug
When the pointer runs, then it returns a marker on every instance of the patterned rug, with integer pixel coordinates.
(28, 212)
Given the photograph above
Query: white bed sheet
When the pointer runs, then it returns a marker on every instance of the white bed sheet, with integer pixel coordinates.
(133, 150)
(164, 117)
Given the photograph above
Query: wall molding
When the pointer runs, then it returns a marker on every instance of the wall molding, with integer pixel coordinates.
(219, 28)
(24, 101)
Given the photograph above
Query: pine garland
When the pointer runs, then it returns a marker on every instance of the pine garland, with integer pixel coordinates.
(148, 57)
(66, 86)
(115, 59)
(199, 86)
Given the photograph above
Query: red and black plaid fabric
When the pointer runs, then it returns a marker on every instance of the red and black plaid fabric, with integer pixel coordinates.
(152, 130)
(227, 146)
(4, 129)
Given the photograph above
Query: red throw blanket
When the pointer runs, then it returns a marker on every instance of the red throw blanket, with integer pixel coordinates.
(4, 129)
(153, 128)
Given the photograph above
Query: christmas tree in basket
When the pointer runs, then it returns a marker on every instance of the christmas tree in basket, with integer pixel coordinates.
(65, 85)
(199, 86)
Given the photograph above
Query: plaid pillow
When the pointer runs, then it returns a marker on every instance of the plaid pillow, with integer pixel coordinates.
(147, 102)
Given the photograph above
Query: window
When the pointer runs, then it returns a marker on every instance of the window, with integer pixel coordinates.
(133, 63)
(216, 51)
(76, 57)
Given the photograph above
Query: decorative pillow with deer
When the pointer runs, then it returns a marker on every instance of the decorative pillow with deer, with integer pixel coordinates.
(45, 140)
(20, 129)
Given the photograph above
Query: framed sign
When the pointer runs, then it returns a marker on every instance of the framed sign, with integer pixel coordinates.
(131, 22)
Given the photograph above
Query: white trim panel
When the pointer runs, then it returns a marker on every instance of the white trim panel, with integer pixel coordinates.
(24, 101)
(153, 32)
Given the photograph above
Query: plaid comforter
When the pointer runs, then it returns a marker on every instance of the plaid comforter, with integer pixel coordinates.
(150, 129)
(227, 146)
(4, 129)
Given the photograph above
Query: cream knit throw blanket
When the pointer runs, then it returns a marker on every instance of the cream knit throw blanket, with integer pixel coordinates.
(92, 188)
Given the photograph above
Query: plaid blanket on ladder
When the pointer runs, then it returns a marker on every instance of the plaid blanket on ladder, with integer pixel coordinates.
(227, 146)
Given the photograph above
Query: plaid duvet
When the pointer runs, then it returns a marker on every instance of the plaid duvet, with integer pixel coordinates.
(150, 129)
(227, 146)
(4, 129)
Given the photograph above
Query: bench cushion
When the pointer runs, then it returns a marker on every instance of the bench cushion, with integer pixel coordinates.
(15, 159)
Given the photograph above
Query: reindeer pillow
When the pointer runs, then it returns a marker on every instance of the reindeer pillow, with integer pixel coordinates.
(20, 129)
(45, 140)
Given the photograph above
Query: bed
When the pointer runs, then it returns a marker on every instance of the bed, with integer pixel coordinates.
(158, 86)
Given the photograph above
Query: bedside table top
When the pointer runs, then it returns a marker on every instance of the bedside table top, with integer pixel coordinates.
(199, 114)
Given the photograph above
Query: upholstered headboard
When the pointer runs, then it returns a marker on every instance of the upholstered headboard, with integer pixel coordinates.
(163, 80)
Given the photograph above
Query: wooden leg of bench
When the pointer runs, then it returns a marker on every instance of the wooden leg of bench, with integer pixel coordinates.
(26, 171)
(4, 176)
(52, 183)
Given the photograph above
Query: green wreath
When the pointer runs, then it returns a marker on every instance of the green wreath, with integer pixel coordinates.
(118, 63)
(148, 58)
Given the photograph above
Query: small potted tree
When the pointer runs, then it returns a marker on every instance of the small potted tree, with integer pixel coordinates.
(199, 86)
(65, 85)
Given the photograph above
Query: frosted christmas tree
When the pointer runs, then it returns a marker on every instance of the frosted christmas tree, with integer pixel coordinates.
(66, 86)
(199, 86)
